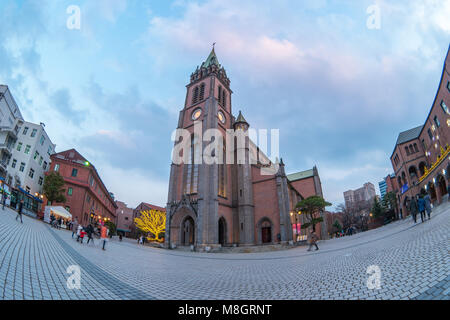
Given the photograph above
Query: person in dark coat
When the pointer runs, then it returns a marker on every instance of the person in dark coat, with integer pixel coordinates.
(312, 240)
(421, 205)
(19, 212)
(90, 232)
(413, 208)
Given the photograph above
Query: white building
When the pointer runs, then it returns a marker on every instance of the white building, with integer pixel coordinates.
(31, 157)
(10, 122)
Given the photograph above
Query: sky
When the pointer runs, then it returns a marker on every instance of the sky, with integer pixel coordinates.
(339, 90)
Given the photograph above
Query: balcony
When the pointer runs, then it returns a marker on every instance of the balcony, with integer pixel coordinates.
(6, 147)
(13, 132)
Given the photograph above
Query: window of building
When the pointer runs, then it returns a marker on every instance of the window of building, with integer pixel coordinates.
(411, 150)
(40, 181)
(31, 173)
(436, 120)
(407, 150)
(40, 160)
(13, 165)
(19, 146)
(430, 134)
(88, 198)
(45, 165)
(67, 208)
(69, 191)
(202, 92)
(448, 85)
(28, 189)
(195, 95)
(424, 145)
(74, 172)
(50, 150)
(416, 149)
(22, 166)
(25, 130)
(91, 180)
(126, 218)
(36, 155)
(56, 167)
(224, 99)
(33, 133)
(191, 171)
(222, 172)
(27, 149)
(42, 140)
(444, 107)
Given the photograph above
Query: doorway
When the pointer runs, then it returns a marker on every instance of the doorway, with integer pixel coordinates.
(188, 233)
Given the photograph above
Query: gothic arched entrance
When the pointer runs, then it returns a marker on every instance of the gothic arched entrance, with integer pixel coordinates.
(222, 231)
(266, 232)
(188, 231)
(432, 191)
(441, 185)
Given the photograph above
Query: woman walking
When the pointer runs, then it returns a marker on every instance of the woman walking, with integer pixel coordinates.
(104, 236)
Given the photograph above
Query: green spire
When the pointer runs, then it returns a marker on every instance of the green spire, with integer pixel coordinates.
(212, 59)
(241, 118)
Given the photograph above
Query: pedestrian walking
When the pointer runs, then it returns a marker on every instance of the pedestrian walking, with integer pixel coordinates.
(19, 211)
(104, 235)
(141, 240)
(90, 231)
(421, 205)
(312, 240)
(79, 229)
(413, 208)
(74, 227)
(427, 199)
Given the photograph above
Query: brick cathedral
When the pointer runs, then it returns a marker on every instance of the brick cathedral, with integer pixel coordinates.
(214, 205)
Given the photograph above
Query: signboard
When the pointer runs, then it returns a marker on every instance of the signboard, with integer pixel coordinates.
(404, 188)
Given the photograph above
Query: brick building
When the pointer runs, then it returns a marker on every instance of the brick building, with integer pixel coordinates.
(421, 157)
(124, 218)
(87, 198)
(242, 203)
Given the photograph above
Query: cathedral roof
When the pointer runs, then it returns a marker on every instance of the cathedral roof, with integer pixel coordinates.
(212, 59)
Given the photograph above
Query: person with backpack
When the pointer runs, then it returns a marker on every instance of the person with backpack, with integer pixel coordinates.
(421, 205)
(90, 231)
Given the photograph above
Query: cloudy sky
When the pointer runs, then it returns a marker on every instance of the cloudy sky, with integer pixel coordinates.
(339, 92)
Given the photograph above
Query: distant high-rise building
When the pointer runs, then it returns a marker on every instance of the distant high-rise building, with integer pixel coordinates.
(383, 186)
(363, 194)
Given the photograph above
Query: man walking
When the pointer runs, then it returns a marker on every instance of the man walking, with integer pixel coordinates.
(90, 231)
(312, 240)
(74, 227)
(421, 205)
(413, 208)
(19, 212)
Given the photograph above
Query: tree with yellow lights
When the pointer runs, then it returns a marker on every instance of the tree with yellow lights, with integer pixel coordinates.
(152, 222)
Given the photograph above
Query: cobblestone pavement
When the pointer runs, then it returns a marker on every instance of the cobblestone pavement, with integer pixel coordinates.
(413, 259)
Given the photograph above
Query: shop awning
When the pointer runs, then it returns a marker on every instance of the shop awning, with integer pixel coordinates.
(60, 212)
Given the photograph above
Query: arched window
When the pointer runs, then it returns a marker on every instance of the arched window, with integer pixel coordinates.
(407, 150)
(411, 150)
(202, 91)
(191, 169)
(195, 95)
(224, 99)
(416, 148)
(222, 176)
(220, 94)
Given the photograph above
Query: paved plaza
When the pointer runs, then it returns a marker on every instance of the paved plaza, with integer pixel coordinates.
(413, 260)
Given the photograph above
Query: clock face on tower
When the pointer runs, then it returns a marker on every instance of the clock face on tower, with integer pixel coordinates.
(221, 117)
(196, 114)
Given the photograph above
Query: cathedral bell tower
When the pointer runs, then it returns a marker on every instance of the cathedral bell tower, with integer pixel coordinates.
(193, 186)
